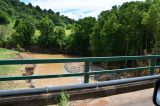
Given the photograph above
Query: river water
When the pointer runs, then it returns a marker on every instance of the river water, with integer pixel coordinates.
(48, 69)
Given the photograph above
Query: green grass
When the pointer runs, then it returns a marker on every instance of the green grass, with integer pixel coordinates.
(4, 53)
(8, 69)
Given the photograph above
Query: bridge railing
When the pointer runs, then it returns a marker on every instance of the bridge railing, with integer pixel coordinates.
(87, 62)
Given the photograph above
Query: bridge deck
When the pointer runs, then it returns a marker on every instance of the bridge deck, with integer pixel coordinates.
(84, 96)
(137, 98)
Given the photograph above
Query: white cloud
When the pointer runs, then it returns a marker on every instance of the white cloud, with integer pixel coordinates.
(78, 8)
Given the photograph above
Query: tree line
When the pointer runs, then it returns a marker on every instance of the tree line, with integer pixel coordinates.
(129, 29)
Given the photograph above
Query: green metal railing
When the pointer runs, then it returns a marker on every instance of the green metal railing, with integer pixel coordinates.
(86, 72)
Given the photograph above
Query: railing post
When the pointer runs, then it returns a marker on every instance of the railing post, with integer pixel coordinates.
(153, 63)
(86, 70)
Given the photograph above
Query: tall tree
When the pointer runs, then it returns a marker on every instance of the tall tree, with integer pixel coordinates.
(47, 37)
(80, 42)
(24, 33)
(59, 34)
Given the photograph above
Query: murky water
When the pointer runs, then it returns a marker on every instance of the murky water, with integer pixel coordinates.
(48, 69)
(43, 69)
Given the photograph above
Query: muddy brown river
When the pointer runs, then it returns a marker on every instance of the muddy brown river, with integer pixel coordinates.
(47, 69)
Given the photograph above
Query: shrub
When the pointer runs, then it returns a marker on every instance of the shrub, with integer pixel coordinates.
(3, 18)
(64, 98)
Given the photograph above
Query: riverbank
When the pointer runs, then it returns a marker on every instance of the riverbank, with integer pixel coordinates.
(79, 68)
(10, 70)
(40, 69)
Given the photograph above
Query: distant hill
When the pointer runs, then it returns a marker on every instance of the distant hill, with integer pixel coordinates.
(10, 10)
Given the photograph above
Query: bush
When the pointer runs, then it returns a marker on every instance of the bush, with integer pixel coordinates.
(4, 19)
(64, 98)
(24, 33)
(19, 48)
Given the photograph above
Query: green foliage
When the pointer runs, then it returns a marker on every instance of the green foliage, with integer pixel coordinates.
(80, 39)
(19, 48)
(24, 33)
(25, 18)
(37, 33)
(51, 36)
(5, 34)
(68, 32)
(3, 5)
(151, 21)
(47, 37)
(10, 12)
(59, 37)
(64, 99)
(126, 30)
(3, 18)
(69, 26)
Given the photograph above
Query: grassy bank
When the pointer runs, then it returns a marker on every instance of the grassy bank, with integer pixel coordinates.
(8, 69)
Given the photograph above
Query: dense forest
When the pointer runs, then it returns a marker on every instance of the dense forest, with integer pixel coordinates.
(130, 29)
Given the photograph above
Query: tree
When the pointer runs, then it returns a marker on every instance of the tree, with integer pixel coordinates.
(96, 39)
(112, 39)
(47, 37)
(3, 18)
(59, 34)
(30, 5)
(151, 21)
(23, 35)
(80, 42)
(38, 8)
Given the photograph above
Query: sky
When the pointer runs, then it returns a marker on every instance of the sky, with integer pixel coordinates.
(77, 9)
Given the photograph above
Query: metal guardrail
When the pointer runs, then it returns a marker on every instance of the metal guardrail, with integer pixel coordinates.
(86, 72)
(78, 86)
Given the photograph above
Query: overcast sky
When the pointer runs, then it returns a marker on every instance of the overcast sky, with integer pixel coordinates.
(77, 8)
